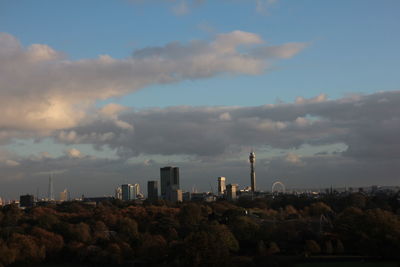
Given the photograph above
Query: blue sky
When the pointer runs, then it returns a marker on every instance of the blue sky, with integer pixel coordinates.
(353, 44)
(67, 107)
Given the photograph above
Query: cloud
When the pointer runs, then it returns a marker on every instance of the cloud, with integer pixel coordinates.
(207, 142)
(181, 8)
(42, 90)
(365, 125)
(293, 158)
(12, 163)
(263, 6)
(73, 153)
(284, 51)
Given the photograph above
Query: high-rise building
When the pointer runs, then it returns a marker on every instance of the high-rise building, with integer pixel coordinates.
(221, 185)
(1, 201)
(231, 190)
(252, 159)
(176, 195)
(64, 195)
(152, 190)
(118, 193)
(136, 191)
(130, 191)
(169, 177)
(26, 201)
(127, 192)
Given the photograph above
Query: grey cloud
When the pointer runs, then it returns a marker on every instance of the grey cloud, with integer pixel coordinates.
(367, 126)
(216, 139)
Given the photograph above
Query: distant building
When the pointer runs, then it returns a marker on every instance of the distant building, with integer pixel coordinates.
(169, 177)
(1, 202)
(136, 191)
(130, 191)
(221, 185)
(64, 195)
(96, 200)
(127, 192)
(176, 195)
(186, 196)
(231, 192)
(26, 201)
(118, 193)
(207, 197)
(152, 190)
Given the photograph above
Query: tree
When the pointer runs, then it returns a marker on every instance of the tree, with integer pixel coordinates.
(52, 242)
(128, 230)
(273, 248)
(312, 247)
(153, 248)
(319, 208)
(245, 229)
(225, 237)
(7, 255)
(203, 249)
(28, 251)
(80, 232)
(190, 214)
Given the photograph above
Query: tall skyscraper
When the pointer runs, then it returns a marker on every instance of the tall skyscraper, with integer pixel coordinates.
(136, 191)
(169, 177)
(221, 185)
(252, 159)
(152, 190)
(231, 190)
(127, 192)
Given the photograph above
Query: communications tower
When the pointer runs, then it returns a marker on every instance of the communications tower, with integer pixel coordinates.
(50, 193)
(252, 159)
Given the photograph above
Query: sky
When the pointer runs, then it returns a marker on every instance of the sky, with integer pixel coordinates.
(100, 93)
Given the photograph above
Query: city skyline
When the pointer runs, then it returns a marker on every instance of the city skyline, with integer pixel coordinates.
(312, 88)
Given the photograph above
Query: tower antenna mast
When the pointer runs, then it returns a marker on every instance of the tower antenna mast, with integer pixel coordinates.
(252, 159)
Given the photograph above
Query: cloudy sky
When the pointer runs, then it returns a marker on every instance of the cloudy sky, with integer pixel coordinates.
(100, 93)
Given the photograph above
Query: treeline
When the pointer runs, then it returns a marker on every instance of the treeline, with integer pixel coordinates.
(261, 232)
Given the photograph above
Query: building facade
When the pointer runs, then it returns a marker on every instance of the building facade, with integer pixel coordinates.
(118, 193)
(176, 195)
(152, 190)
(231, 192)
(169, 177)
(221, 185)
(64, 195)
(127, 192)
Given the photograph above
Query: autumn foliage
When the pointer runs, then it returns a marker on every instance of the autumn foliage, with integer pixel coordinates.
(245, 233)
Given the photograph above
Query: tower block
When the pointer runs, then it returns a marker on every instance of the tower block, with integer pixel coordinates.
(252, 159)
